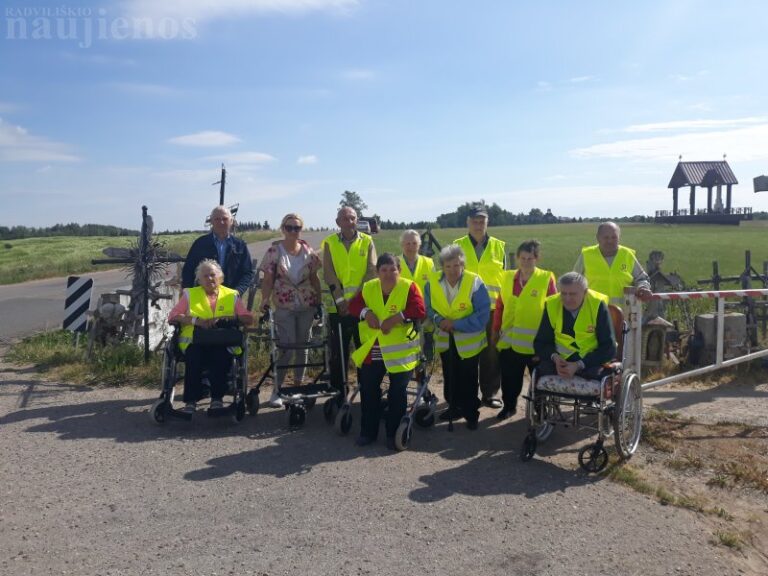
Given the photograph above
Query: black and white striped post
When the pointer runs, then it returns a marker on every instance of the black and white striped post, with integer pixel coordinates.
(76, 304)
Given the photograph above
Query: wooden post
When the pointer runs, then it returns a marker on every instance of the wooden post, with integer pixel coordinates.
(674, 201)
(693, 200)
(728, 199)
(709, 199)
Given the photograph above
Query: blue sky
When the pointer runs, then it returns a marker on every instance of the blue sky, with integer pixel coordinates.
(419, 106)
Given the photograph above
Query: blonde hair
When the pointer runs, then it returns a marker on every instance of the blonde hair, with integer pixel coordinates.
(292, 216)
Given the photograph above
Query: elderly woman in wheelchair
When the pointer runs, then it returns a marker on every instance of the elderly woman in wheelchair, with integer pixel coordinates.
(209, 337)
(577, 346)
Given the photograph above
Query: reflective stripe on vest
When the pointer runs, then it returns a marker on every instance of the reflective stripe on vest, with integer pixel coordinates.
(468, 344)
(424, 268)
(490, 267)
(609, 281)
(399, 352)
(200, 307)
(350, 265)
(522, 314)
(584, 340)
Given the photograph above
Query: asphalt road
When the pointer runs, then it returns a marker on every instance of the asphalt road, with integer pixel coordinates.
(39, 305)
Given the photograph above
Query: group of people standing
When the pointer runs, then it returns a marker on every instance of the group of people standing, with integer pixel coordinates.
(487, 323)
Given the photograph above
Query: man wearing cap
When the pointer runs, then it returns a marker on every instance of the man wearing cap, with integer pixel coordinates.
(610, 267)
(485, 257)
(349, 260)
(220, 245)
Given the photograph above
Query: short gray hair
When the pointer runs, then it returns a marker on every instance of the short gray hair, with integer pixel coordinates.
(608, 224)
(570, 278)
(410, 234)
(211, 264)
(452, 252)
(222, 210)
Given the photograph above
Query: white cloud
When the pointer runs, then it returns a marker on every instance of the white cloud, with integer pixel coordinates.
(97, 59)
(543, 86)
(309, 159)
(580, 79)
(207, 138)
(749, 143)
(199, 10)
(242, 158)
(17, 145)
(358, 74)
(696, 124)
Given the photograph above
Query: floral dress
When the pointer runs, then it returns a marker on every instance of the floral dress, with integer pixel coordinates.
(292, 288)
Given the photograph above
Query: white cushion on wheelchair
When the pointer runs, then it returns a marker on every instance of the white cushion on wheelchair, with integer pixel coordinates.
(575, 386)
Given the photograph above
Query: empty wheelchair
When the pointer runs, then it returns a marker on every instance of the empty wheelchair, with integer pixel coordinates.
(611, 406)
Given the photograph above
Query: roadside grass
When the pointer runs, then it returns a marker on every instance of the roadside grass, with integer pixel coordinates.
(731, 539)
(35, 258)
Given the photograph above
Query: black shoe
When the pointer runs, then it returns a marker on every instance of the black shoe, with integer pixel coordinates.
(450, 414)
(391, 443)
(364, 440)
(505, 413)
(492, 402)
(471, 423)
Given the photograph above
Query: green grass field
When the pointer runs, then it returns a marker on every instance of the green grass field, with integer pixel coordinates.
(33, 258)
(688, 249)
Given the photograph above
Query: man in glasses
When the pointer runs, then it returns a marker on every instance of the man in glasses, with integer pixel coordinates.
(230, 252)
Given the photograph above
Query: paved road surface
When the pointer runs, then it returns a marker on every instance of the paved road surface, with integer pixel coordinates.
(37, 305)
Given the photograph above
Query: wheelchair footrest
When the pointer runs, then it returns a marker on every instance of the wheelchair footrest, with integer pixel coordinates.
(221, 412)
(319, 389)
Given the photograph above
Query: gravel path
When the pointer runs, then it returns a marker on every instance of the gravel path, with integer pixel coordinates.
(91, 486)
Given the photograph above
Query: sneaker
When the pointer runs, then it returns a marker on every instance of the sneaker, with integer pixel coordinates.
(189, 408)
(275, 401)
(217, 404)
(505, 413)
(492, 402)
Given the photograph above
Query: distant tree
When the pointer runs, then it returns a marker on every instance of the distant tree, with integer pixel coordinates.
(265, 226)
(353, 200)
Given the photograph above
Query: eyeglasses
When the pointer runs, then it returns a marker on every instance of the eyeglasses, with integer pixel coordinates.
(288, 228)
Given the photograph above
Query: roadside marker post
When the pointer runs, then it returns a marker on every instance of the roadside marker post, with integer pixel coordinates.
(76, 305)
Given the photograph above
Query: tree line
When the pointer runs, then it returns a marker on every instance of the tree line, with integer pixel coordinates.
(71, 229)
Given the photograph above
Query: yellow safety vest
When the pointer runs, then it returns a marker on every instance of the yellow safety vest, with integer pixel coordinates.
(468, 344)
(199, 307)
(522, 314)
(584, 328)
(490, 267)
(399, 352)
(424, 268)
(609, 281)
(350, 265)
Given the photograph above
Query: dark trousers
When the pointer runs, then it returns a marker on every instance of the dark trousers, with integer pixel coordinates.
(347, 327)
(371, 376)
(547, 368)
(513, 365)
(215, 359)
(460, 383)
(490, 379)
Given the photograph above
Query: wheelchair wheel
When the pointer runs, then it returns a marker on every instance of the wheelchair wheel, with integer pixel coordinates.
(252, 402)
(157, 411)
(542, 430)
(529, 447)
(403, 435)
(296, 415)
(344, 420)
(593, 458)
(424, 416)
(330, 408)
(238, 411)
(628, 416)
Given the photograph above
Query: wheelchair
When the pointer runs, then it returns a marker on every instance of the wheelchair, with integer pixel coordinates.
(611, 406)
(421, 408)
(227, 333)
(299, 398)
